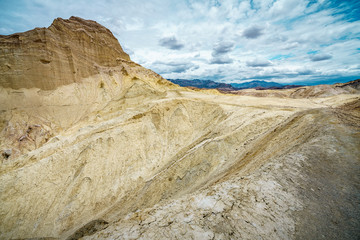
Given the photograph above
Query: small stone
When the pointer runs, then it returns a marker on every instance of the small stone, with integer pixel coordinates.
(6, 153)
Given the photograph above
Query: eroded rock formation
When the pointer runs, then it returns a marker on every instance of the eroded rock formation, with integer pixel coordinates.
(66, 52)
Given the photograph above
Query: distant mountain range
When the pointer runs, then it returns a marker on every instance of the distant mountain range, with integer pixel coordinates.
(260, 85)
(256, 84)
(201, 84)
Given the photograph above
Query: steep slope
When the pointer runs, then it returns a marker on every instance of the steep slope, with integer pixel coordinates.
(116, 143)
(38, 101)
(66, 52)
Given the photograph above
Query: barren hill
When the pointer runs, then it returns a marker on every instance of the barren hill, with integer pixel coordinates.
(115, 151)
(294, 91)
(63, 53)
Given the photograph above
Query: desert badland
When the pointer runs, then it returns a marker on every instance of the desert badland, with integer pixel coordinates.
(95, 146)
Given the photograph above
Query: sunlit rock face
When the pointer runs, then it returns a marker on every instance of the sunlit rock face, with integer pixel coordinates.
(94, 145)
(63, 53)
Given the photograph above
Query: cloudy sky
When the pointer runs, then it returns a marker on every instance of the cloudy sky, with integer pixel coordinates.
(287, 41)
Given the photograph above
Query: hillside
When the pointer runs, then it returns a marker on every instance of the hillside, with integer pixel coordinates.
(95, 146)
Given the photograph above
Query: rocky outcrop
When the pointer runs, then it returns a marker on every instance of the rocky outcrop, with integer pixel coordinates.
(85, 70)
(66, 52)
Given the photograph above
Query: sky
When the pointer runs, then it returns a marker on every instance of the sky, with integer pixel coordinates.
(286, 41)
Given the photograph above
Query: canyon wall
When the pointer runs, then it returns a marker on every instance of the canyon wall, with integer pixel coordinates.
(63, 53)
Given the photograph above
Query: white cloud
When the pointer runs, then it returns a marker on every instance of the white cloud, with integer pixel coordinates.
(252, 32)
(229, 40)
(258, 63)
(320, 57)
(171, 43)
(287, 8)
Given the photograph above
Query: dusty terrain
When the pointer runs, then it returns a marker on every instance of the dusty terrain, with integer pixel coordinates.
(317, 91)
(121, 153)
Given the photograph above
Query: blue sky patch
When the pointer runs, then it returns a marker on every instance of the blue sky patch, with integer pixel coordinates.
(313, 52)
(281, 56)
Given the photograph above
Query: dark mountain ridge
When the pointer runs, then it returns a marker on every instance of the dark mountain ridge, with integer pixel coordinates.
(256, 84)
(209, 84)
